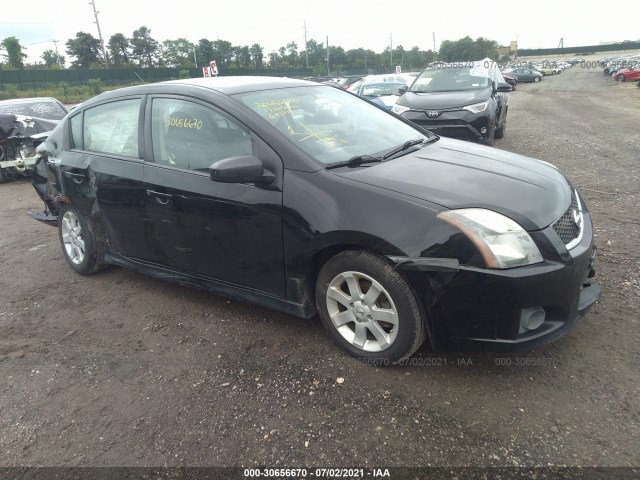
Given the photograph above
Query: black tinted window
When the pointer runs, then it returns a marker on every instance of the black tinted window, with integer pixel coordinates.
(192, 136)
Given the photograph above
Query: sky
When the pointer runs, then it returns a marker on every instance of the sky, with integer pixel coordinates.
(347, 23)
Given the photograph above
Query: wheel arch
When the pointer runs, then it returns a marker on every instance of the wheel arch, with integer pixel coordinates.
(374, 246)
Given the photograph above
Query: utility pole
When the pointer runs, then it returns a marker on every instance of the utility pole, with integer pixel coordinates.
(328, 69)
(391, 48)
(434, 42)
(95, 13)
(306, 48)
(195, 60)
(58, 59)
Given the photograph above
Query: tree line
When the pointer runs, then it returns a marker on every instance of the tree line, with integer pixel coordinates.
(142, 50)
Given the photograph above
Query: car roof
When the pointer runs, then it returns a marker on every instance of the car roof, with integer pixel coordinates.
(224, 85)
(232, 85)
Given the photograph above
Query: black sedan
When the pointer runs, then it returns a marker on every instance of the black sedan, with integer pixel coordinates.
(310, 200)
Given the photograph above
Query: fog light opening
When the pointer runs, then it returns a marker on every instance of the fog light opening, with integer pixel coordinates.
(483, 130)
(531, 318)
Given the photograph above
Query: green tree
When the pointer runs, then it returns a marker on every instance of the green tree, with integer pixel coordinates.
(292, 54)
(86, 50)
(143, 47)
(467, 49)
(52, 59)
(243, 57)
(224, 51)
(317, 52)
(177, 53)
(13, 56)
(205, 52)
(257, 55)
(119, 49)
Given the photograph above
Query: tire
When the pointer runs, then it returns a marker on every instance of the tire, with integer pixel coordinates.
(3, 177)
(492, 135)
(368, 308)
(499, 133)
(621, 78)
(536, 79)
(82, 241)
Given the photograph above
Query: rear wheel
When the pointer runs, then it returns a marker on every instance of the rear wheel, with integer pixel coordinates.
(82, 241)
(368, 308)
(3, 177)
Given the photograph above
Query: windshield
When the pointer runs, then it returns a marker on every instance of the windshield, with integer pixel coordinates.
(450, 80)
(330, 124)
(46, 109)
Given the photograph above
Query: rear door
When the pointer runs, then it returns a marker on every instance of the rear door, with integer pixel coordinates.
(101, 173)
(227, 231)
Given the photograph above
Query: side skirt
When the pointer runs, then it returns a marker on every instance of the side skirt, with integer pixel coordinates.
(211, 285)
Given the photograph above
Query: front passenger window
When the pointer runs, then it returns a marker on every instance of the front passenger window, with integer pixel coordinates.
(191, 136)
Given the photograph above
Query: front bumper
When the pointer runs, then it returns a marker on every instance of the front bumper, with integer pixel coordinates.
(459, 124)
(480, 309)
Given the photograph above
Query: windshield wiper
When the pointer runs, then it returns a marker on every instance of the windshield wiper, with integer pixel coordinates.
(406, 145)
(355, 161)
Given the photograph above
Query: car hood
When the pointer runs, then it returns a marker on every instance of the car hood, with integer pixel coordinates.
(456, 174)
(442, 100)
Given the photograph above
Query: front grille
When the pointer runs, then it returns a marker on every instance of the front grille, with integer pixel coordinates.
(569, 226)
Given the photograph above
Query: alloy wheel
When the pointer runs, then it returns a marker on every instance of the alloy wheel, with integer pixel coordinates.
(72, 237)
(362, 311)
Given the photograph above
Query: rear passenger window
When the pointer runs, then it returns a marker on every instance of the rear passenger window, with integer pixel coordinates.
(112, 128)
(191, 136)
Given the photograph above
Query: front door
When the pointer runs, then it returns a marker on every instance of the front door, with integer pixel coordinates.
(226, 231)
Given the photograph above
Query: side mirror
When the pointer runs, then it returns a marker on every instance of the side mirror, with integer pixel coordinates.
(403, 90)
(504, 87)
(241, 169)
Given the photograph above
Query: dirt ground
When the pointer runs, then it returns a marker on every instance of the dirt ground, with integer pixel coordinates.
(122, 369)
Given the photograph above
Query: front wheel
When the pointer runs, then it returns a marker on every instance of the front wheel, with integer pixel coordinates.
(368, 308)
(536, 79)
(82, 241)
(621, 78)
(489, 140)
(500, 131)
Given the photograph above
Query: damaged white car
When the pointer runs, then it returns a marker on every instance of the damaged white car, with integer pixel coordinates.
(24, 124)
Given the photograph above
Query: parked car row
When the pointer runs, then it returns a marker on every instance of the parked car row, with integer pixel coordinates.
(621, 69)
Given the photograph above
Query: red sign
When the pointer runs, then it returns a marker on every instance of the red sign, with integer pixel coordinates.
(214, 67)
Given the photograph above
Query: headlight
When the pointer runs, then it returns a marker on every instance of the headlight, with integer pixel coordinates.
(501, 241)
(400, 109)
(477, 107)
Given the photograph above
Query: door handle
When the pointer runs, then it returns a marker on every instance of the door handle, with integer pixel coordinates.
(161, 198)
(76, 177)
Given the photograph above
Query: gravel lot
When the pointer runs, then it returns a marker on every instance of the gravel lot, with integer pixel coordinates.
(122, 369)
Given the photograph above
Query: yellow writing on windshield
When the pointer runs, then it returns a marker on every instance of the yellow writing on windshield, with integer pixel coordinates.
(326, 137)
(279, 108)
